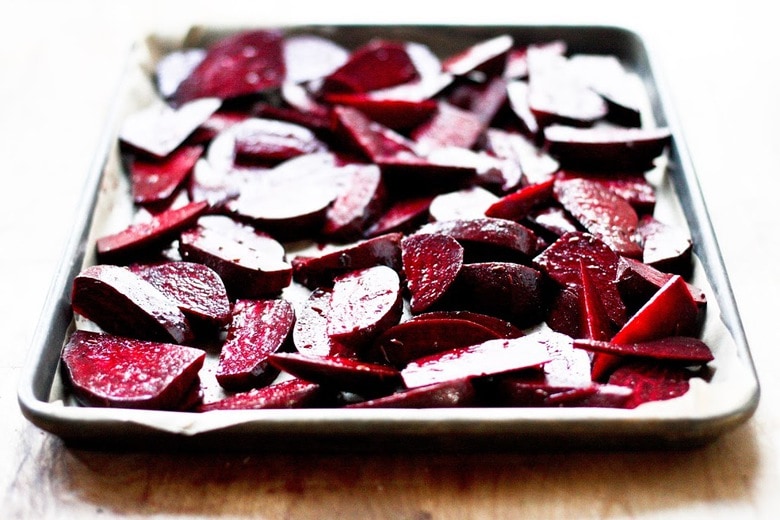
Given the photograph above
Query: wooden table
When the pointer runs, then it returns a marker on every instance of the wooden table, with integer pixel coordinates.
(59, 62)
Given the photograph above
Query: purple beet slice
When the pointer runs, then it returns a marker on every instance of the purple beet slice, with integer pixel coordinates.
(118, 372)
(468, 203)
(322, 270)
(519, 204)
(651, 381)
(502, 328)
(244, 63)
(157, 181)
(260, 141)
(634, 187)
(511, 392)
(449, 126)
(518, 93)
(369, 138)
(410, 176)
(310, 57)
(159, 129)
(396, 114)
(363, 304)
(430, 263)
(340, 373)
(605, 148)
(488, 56)
(595, 321)
(310, 332)
(158, 231)
(195, 288)
(488, 358)
(491, 234)
(403, 215)
(537, 166)
(251, 264)
(292, 393)
(122, 303)
(358, 206)
(638, 282)
(664, 247)
(174, 67)
(415, 338)
(376, 65)
(449, 394)
(258, 329)
(683, 349)
(605, 215)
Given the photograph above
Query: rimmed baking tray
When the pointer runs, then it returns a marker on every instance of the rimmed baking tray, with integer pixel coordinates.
(704, 413)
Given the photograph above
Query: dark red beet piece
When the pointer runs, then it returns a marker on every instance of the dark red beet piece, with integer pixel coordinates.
(174, 67)
(449, 394)
(606, 149)
(159, 129)
(604, 214)
(502, 328)
(122, 303)
(319, 271)
(376, 65)
(449, 126)
(485, 101)
(634, 187)
(684, 349)
(491, 357)
(259, 328)
(119, 372)
(358, 206)
(488, 56)
(494, 234)
(402, 216)
(494, 173)
(156, 181)
(268, 141)
(651, 381)
(409, 176)
(518, 205)
(468, 203)
(364, 304)
(309, 57)
(146, 235)
(507, 290)
(552, 222)
(518, 99)
(537, 166)
(310, 333)
(637, 282)
(195, 288)
(511, 392)
(371, 139)
(340, 373)
(292, 393)
(396, 114)
(251, 264)
(413, 339)
(430, 263)
(245, 63)
(666, 248)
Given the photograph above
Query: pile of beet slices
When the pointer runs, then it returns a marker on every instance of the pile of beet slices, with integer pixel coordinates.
(385, 227)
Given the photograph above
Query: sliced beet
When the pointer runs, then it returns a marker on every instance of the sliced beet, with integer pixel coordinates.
(268, 141)
(468, 203)
(511, 391)
(119, 372)
(634, 187)
(449, 126)
(358, 206)
(494, 173)
(664, 247)
(310, 333)
(537, 166)
(403, 215)
(258, 329)
(552, 222)
(561, 262)
(322, 270)
(250, 263)
(244, 63)
(483, 100)
(684, 349)
(502, 328)
(595, 321)
(369, 138)
(651, 381)
(396, 114)
(604, 214)
(159, 129)
(120, 302)
(157, 232)
(449, 394)
(519, 204)
(488, 358)
(605, 148)
(411, 176)
(340, 373)
(518, 93)
(378, 64)
(196, 288)
(174, 67)
(309, 57)
(364, 304)
(430, 263)
(494, 235)
(507, 290)
(638, 282)
(156, 181)
(292, 393)
(488, 56)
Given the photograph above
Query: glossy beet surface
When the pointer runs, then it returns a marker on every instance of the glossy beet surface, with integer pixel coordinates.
(430, 263)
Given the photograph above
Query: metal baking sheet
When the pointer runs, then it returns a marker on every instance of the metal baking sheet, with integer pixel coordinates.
(704, 413)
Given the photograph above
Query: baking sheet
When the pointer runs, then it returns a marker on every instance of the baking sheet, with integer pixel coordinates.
(702, 414)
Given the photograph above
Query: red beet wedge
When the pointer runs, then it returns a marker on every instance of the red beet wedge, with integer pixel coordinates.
(119, 372)
(430, 263)
(683, 349)
(156, 181)
(449, 394)
(493, 234)
(378, 64)
(292, 393)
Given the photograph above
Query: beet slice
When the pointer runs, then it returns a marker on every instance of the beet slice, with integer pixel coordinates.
(502, 328)
(244, 63)
(358, 206)
(310, 332)
(378, 64)
(537, 166)
(449, 126)
(322, 270)
(196, 288)
(292, 393)
(492, 234)
(410, 176)
(518, 93)
(604, 214)
(468, 203)
(606, 149)
(605, 75)
(369, 138)
(156, 181)
(494, 173)
(268, 141)
(258, 329)
(651, 381)
(340, 373)
(403, 215)
(309, 57)
(251, 264)
(684, 349)
(430, 263)
(507, 290)
(511, 392)
(159, 230)
(666, 248)
(174, 67)
(488, 56)
(363, 304)
(415, 338)
(518, 205)
(449, 394)
(122, 303)
(487, 358)
(552, 222)
(595, 321)
(638, 282)
(634, 187)
(118, 372)
(396, 114)
(159, 129)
